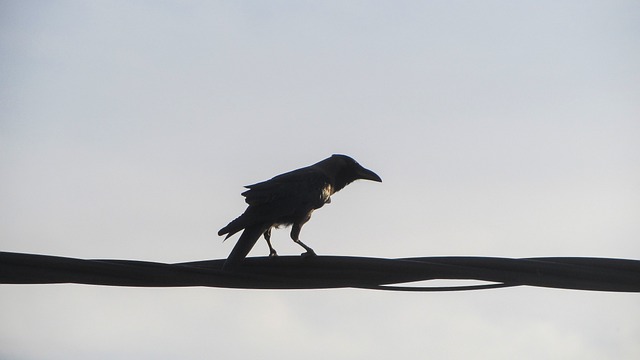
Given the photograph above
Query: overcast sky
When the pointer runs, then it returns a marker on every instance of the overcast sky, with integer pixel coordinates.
(128, 128)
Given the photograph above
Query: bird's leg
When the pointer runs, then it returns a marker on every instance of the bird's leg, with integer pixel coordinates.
(295, 236)
(267, 236)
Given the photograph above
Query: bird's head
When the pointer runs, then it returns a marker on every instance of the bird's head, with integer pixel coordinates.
(344, 170)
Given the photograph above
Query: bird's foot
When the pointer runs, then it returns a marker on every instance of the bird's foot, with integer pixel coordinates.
(273, 254)
(310, 253)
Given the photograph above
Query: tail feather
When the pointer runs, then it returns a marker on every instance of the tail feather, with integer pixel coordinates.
(234, 226)
(245, 243)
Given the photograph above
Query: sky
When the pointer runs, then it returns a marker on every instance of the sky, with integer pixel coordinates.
(128, 128)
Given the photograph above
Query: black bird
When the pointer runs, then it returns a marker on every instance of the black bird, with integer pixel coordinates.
(289, 199)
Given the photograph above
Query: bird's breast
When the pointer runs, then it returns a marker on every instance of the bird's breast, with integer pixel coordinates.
(327, 191)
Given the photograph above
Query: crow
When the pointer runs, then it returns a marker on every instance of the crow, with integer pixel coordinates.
(289, 199)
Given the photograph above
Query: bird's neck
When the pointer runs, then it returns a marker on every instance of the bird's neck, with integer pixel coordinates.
(340, 182)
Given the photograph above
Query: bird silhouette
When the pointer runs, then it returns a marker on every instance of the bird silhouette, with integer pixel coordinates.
(289, 199)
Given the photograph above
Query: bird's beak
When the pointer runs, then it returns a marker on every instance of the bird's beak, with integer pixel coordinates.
(367, 174)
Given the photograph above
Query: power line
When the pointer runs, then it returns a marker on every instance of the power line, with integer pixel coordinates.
(321, 272)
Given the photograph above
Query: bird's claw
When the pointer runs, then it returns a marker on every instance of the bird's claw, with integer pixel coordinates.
(308, 254)
(273, 254)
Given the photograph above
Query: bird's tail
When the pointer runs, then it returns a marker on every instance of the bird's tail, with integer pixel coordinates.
(245, 243)
(233, 227)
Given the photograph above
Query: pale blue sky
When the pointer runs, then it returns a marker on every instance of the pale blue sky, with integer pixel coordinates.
(128, 129)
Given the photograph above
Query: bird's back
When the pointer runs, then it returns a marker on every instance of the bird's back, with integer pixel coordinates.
(278, 201)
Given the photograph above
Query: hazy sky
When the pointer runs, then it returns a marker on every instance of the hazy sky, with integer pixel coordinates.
(128, 128)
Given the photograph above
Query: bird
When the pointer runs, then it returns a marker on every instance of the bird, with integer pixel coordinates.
(289, 199)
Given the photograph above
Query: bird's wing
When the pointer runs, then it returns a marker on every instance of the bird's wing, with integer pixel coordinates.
(299, 186)
(278, 200)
